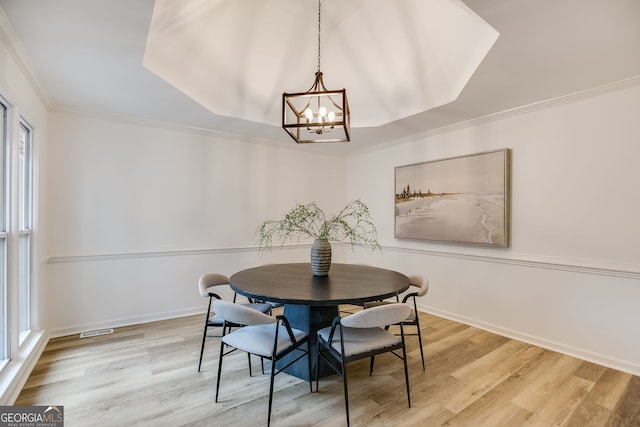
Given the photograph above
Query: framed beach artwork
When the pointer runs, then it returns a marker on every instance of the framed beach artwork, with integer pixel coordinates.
(462, 199)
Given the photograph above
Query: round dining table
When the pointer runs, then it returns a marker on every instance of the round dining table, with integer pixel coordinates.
(311, 302)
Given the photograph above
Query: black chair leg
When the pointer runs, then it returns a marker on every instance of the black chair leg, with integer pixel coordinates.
(318, 346)
(204, 334)
(219, 369)
(309, 362)
(418, 332)
(420, 343)
(346, 392)
(371, 365)
(406, 374)
(204, 337)
(273, 374)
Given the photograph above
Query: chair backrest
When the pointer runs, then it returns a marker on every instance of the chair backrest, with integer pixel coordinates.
(379, 316)
(211, 279)
(240, 314)
(420, 282)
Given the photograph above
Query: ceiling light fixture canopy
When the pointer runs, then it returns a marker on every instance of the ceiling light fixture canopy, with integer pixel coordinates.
(317, 115)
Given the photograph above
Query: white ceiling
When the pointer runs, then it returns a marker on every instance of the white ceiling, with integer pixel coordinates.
(88, 54)
(416, 54)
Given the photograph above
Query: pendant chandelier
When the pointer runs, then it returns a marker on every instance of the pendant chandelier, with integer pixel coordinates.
(317, 115)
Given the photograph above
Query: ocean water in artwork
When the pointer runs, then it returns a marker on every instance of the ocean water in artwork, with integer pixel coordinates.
(458, 217)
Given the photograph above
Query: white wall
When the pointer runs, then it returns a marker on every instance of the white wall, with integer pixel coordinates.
(571, 278)
(138, 212)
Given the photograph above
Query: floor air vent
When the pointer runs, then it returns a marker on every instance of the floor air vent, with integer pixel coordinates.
(96, 333)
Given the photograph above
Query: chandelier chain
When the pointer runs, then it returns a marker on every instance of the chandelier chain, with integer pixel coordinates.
(319, 6)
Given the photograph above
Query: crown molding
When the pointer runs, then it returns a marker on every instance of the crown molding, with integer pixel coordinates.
(524, 109)
(14, 46)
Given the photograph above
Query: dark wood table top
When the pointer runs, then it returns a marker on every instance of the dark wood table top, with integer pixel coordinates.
(296, 284)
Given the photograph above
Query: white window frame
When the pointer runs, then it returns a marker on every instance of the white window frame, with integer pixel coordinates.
(5, 318)
(17, 219)
(24, 252)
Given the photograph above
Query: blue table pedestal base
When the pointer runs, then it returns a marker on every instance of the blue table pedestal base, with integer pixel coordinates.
(309, 319)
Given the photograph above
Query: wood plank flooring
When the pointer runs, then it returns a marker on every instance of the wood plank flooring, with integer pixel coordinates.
(145, 375)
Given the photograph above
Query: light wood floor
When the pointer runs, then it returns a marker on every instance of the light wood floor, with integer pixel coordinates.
(146, 375)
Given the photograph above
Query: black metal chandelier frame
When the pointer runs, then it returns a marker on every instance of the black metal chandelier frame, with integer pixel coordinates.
(317, 115)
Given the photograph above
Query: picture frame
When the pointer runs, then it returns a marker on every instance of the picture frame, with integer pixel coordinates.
(464, 199)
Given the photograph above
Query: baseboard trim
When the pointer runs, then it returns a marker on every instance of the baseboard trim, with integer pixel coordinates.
(599, 359)
(119, 323)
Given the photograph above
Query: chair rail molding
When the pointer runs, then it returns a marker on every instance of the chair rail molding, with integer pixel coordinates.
(588, 266)
(598, 267)
(173, 253)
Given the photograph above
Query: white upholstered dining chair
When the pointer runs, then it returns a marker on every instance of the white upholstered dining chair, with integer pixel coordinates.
(270, 337)
(359, 336)
(419, 286)
(208, 286)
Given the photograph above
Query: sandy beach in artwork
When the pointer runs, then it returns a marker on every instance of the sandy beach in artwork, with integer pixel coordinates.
(469, 218)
